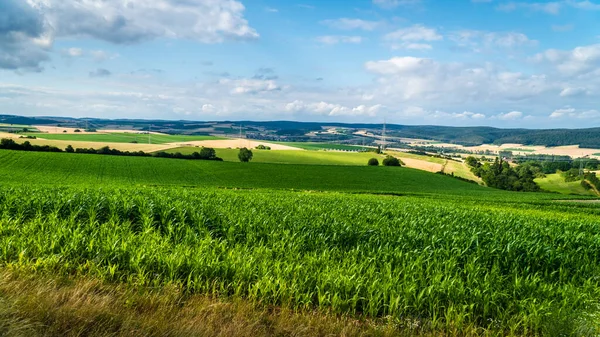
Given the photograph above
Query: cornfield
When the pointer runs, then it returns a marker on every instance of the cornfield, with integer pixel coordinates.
(435, 263)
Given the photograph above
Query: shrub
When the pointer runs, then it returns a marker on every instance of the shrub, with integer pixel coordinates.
(263, 147)
(70, 149)
(373, 162)
(245, 155)
(391, 161)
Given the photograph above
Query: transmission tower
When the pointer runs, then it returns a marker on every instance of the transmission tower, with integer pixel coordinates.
(383, 137)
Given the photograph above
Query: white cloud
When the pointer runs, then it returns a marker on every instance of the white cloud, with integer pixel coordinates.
(413, 78)
(335, 39)
(572, 113)
(573, 92)
(510, 116)
(329, 109)
(580, 60)
(478, 40)
(552, 7)
(250, 86)
(350, 24)
(546, 7)
(414, 33)
(28, 29)
(412, 37)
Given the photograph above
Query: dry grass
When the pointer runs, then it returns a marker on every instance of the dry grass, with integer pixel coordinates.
(35, 305)
(234, 143)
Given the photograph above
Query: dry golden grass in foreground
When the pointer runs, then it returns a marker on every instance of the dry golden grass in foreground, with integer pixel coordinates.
(37, 305)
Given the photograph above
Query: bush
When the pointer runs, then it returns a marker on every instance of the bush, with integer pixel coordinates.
(373, 162)
(77, 130)
(245, 155)
(70, 149)
(263, 147)
(391, 161)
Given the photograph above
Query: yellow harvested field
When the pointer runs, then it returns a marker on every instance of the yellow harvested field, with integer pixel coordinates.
(422, 165)
(571, 150)
(232, 143)
(62, 144)
(56, 129)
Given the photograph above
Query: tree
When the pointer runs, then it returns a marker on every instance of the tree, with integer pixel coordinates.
(245, 155)
(472, 161)
(391, 161)
(208, 153)
(70, 149)
(373, 162)
(378, 149)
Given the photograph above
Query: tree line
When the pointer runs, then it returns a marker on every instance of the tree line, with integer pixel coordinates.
(205, 153)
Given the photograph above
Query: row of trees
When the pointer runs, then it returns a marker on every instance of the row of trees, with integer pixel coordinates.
(501, 175)
(205, 153)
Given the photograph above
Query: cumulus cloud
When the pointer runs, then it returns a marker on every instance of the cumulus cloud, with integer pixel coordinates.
(335, 39)
(207, 21)
(422, 78)
(580, 60)
(350, 24)
(330, 109)
(23, 40)
(28, 28)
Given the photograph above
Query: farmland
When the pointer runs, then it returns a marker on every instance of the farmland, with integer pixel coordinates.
(121, 137)
(32, 168)
(293, 157)
(556, 183)
(447, 265)
(403, 251)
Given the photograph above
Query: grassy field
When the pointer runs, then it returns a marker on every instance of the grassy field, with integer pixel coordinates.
(293, 157)
(121, 137)
(72, 169)
(556, 183)
(153, 246)
(438, 265)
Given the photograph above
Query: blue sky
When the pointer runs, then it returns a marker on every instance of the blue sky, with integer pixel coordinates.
(465, 62)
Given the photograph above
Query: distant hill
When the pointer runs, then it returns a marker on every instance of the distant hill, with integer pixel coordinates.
(469, 136)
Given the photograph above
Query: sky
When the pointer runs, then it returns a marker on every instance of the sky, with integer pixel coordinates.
(533, 64)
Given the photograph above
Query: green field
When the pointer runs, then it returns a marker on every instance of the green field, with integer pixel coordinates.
(292, 156)
(436, 256)
(556, 183)
(449, 264)
(120, 137)
(73, 169)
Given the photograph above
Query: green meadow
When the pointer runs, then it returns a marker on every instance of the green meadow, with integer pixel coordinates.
(293, 156)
